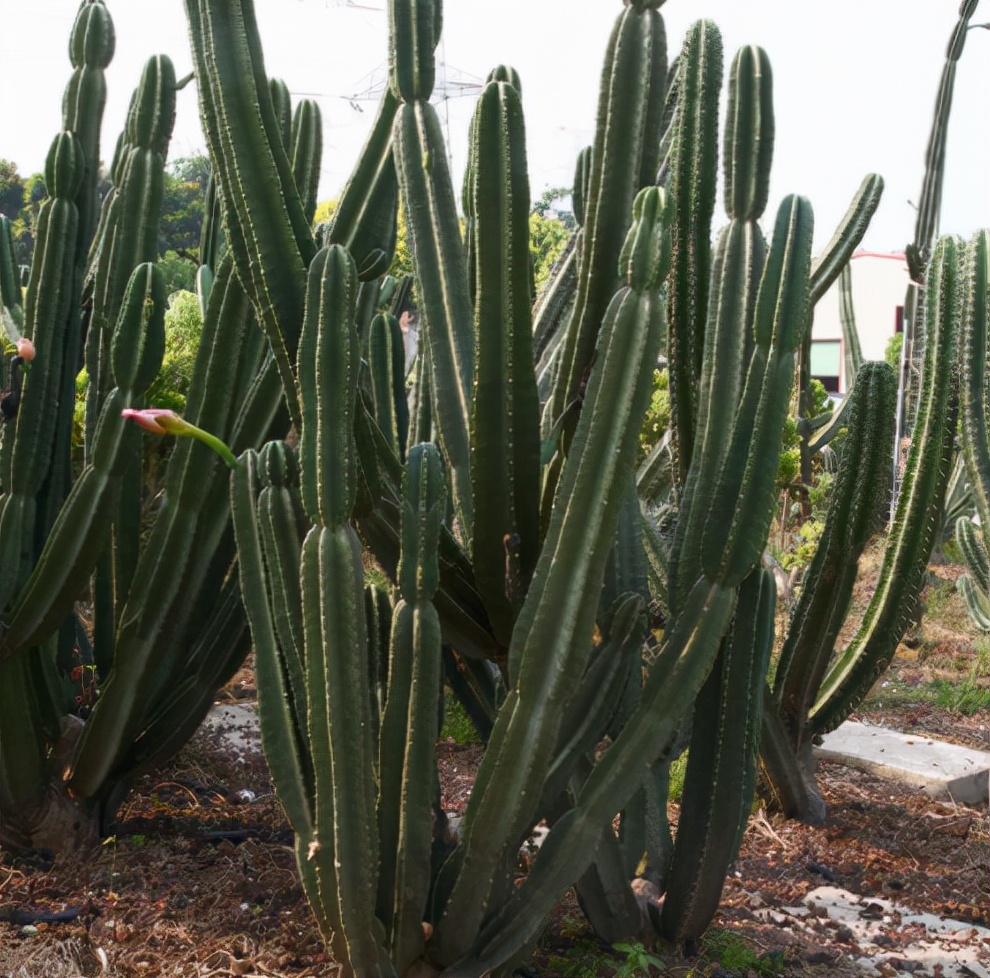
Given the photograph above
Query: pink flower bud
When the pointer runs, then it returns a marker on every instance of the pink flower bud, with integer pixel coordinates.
(161, 421)
(25, 349)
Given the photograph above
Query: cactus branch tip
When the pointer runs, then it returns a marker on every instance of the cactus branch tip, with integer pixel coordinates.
(161, 421)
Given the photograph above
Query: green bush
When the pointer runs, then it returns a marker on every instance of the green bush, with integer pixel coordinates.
(892, 354)
(183, 327)
(657, 418)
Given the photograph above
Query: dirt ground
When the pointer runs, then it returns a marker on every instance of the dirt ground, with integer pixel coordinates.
(199, 879)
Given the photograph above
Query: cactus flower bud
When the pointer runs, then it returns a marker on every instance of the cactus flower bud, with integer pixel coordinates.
(25, 349)
(161, 421)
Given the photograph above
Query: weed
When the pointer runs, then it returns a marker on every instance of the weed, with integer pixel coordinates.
(585, 958)
(678, 768)
(588, 958)
(967, 697)
(981, 662)
(734, 954)
(638, 961)
(457, 725)
(937, 597)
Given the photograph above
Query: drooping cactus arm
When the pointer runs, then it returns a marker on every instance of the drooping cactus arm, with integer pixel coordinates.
(930, 200)
(849, 233)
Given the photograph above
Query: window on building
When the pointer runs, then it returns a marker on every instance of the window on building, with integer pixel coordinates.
(826, 363)
(899, 319)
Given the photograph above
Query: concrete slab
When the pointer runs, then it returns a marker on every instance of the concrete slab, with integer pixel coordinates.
(236, 726)
(942, 770)
(924, 941)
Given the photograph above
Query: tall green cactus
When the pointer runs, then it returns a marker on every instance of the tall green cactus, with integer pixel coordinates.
(529, 594)
(975, 342)
(739, 352)
(170, 627)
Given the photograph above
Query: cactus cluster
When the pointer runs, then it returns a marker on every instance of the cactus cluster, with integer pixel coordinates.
(499, 493)
(167, 623)
(529, 592)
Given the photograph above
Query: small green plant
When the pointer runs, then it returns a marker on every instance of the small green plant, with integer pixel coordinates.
(734, 954)
(805, 544)
(638, 961)
(678, 767)
(457, 725)
(966, 697)
(981, 665)
(585, 958)
(892, 354)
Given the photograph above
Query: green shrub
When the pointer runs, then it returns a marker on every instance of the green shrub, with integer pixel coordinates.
(183, 327)
(657, 418)
(892, 354)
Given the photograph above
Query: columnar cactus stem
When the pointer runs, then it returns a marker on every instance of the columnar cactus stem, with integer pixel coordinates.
(692, 183)
(80, 532)
(49, 298)
(264, 216)
(974, 388)
(549, 643)
(407, 760)
(722, 762)
(920, 502)
(632, 88)
(505, 422)
(431, 215)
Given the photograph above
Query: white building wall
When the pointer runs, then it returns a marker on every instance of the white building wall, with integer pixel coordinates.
(879, 283)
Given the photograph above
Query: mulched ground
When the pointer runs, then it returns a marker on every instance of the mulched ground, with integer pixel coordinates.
(199, 879)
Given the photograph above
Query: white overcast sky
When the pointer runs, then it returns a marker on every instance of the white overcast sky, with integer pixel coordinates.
(855, 82)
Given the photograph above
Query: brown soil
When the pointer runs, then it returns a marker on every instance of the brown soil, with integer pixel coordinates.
(199, 878)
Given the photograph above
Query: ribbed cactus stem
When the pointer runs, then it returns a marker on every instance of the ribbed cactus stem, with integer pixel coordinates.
(505, 437)
(974, 388)
(633, 82)
(975, 427)
(81, 530)
(407, 759)
(854, 514)
(923, 489)
(263, 213)
(29, 439)
(549, 650)
(327, 370)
